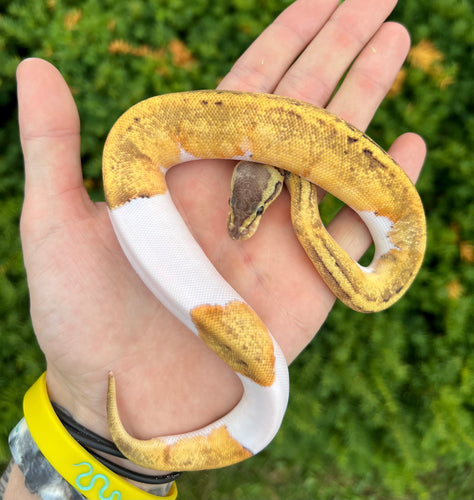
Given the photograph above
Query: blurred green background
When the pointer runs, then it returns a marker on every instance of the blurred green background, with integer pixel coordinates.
(381, 406)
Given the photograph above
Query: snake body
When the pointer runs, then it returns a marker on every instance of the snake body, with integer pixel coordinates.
(315, 146)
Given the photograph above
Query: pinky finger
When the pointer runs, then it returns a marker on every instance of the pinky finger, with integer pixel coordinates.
(409, 150)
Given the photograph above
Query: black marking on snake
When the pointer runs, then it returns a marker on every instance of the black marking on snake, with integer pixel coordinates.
(275, 191)
(218, 103)
(328, 273)
(315, 257)
(313, 198)
(351, 127)
(373, 161)
(204, 102)
(367, 297)
(136, 120)
(321, 122)
(295, 114)
(351, 140)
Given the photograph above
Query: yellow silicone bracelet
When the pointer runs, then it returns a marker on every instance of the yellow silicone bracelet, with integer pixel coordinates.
(80, 469)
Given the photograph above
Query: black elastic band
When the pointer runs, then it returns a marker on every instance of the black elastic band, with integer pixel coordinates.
(93, 443)
(134, 476)
(84, 436)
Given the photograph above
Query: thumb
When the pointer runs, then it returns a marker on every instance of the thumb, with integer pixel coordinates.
(49, 131)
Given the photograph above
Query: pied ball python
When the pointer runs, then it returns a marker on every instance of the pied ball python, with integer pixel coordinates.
(309, 143)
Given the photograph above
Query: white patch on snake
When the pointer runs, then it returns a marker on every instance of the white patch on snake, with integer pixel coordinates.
(170, 262)
(258, 404)
(366, 270)
(185, 156)
(379, 227)
(247, 156)
(165, 255)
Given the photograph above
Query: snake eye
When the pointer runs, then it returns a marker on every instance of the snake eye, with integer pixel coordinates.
(260, 210)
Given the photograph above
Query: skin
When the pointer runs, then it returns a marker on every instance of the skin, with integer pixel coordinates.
(91, 313)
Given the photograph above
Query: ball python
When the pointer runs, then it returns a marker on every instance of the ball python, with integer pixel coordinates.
(317, 148)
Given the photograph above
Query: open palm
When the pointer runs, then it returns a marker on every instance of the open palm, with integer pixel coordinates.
(90, 311)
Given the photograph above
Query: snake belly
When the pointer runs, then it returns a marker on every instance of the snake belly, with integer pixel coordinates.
(305, 140)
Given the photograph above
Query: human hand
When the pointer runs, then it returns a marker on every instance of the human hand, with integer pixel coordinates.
(90, 311)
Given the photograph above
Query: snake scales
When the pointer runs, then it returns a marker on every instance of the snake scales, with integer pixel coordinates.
(307, 141)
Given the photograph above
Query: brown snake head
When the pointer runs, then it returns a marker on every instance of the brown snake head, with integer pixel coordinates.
(254, 187)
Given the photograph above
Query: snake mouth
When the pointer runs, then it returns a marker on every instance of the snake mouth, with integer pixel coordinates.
(238, 233)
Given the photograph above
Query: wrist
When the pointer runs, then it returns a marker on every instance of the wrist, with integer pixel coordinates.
(82, 399)
(52, 460)
(108, 454)
(72, 411)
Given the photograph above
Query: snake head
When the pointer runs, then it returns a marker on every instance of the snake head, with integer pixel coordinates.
(254, 187)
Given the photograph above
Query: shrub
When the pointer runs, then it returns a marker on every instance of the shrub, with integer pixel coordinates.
(381, 406)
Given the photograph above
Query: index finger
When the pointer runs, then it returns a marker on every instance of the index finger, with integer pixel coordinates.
(262, 65)
(307, 49)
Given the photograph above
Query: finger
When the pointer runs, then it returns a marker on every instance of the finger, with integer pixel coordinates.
(316, 73)
(367, 82)
(49, 130)
(409, 151)
(371, 75)
(264, 63)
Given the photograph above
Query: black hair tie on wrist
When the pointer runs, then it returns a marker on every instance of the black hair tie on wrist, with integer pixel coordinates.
(92, 442)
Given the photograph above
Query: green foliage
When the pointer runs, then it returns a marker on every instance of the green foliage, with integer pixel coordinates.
(381, 406)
